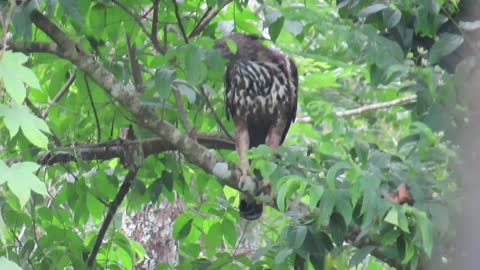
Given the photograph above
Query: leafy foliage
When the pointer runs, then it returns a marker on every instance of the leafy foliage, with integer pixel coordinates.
(327, 177)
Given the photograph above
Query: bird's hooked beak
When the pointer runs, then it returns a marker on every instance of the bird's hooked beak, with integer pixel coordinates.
(222, 47)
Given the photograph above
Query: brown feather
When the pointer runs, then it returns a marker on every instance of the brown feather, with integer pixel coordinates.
(261, 96)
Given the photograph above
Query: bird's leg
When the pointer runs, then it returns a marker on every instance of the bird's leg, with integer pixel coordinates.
(273, 140)
(242, 143)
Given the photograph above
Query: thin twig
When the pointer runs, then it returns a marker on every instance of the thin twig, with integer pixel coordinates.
(234, 251)
(209, 15)
(138, 19)
(179, 20)
(135, 66)
(154, 34)
(5, 23)
(60, 94)
(376, 106)
(369, 107)
(215, 115)
(32, 107)
(89, 91)
(111, 212)
(181, 109)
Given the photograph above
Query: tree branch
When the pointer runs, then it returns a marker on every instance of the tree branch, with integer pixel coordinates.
(146, 115)
(92, 103)
(209, 15)
(369, 107)
(181, 109)
(179, 21)
(124, 188)
(60, 94)
(219, 122)
(153, 35)
(134, 65)
(118, 148)
(376, 106)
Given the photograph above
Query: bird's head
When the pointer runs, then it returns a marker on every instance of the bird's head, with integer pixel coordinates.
(240, 46)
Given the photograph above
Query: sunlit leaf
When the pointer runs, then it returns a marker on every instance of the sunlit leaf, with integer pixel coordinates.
(21, 180)
(14, 74)
(16, 116)
(7, 264)
(182, 226)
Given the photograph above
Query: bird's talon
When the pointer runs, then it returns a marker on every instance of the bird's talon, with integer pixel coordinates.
(264, 193)
(246, 184)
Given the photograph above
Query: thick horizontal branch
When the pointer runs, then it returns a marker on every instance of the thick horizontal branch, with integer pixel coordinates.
(120, 149)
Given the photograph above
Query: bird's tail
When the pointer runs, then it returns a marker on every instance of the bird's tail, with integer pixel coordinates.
(249, 208)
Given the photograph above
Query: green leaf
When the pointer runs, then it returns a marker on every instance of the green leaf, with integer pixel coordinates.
(343, 205)
(275, 28)
(426, 131)
(409, 251)
(3, 229)
(266, 167)
(294, 27)
(392, 216)
(94, 206)
(21, 21)
(188, 91)
(360, 255)
(315, 192)
(7, 264)
(446, 44)
(22, 181)
(296, 236)
(182, 227)
(391, 17)
(213, 239)
(321, 79)
(14, 74)
(194, 67)
(282, 255)
(163, 81)
(33, 127)
(374, 266)
(371, 10)
(338, 228)
(397, 218)
(326, 206)
(289, 187)
(229, 232)
(318, 261)
(334, 171)
(232, 46)
(72, 10)
(260, 253)
(425, 227)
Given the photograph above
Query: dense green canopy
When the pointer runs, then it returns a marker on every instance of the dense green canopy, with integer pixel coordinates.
(109, 106)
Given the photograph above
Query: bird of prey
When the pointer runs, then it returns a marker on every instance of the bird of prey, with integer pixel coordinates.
(261, 97)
